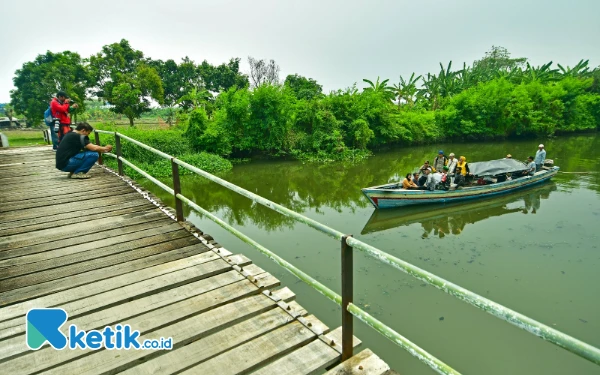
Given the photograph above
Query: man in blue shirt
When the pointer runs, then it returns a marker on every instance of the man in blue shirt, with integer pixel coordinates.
(531, 167)
(540, 156)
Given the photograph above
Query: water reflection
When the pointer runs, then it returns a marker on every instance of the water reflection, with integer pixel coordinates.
(452, 219)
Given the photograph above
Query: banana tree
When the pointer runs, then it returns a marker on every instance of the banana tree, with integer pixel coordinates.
(380, 87)
(541, 73)
(579, 70)
(431, 90)
(407, 89)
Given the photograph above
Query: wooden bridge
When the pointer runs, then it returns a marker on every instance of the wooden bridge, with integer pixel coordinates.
(105, 253)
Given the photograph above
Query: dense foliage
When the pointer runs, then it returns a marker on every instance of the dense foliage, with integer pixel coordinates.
(172, 142)
(219, 110)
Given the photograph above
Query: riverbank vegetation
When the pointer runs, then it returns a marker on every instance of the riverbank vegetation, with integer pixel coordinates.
(219, 110)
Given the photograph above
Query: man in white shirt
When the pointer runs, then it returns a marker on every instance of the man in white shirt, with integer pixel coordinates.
(451, 163)
(540, 157)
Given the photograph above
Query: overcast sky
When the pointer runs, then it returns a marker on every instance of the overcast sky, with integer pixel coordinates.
(335, 42)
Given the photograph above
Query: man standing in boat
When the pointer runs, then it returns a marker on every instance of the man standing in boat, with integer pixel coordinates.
(540, 157)
(439, 162)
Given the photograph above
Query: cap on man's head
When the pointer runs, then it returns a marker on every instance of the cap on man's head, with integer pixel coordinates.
(541, 145)
(440, 152)
(62, 93)
(509, 156)
(451, 154)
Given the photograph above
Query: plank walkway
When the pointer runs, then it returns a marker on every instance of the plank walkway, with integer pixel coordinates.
(102, 251)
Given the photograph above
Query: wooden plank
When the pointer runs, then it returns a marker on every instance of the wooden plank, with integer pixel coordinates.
(165, 234)
(58, 176)
(307, 360)
(251, 354)
(80, 291)
(156, 262)
(110, 211)
(195, 326)
(69, 215)
(67, 207)
(51, 196)
(61, 272)
(207, 347)
(363, 363)
(12, 347)
(76, 230)
(9, 195)
(56, 183)
(91, 238)
(116, 242)
(59, 200)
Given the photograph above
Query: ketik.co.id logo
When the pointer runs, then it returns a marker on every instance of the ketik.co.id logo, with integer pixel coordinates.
(44, 325)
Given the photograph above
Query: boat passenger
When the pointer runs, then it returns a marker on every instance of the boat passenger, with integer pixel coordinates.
(423, 179)
(433, 179)
(531, 167)
(415, 178)
(425, 166)
(509, 156)
(440, 161)
(407, 183)
(540, 157)
(462, 171)
(451, 164)
(445, 183)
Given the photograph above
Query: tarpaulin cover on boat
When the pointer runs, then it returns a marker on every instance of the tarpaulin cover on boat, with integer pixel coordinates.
(495, 167)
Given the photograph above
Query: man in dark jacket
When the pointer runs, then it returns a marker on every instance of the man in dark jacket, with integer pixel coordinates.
(76, 154)
(60, 109)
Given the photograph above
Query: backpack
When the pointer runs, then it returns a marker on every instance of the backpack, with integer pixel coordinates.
(48, 118)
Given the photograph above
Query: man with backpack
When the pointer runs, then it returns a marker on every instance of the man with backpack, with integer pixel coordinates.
(59, 107)
(76, 154)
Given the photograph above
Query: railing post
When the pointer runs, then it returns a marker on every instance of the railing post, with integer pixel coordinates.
(97, 136)
(118, 147)
(177, 190)
(347, 292)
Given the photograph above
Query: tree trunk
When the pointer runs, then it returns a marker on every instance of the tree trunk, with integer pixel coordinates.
(130, 121)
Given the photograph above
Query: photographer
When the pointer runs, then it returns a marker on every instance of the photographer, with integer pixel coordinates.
(60, 110)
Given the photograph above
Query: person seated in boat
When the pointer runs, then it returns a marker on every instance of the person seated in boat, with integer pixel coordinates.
(425, 167)
(423, 179)
(408, 184)
(462, 171)
(433, 180)
(445, 181)
(531, 167)
(440, 161)
(415, 178)
(508, 156)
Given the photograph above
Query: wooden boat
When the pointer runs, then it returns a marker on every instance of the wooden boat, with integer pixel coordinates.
(460, 214)
(393, 195)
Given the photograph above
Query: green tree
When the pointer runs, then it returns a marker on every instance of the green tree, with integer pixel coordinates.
(303, 88)
(223, 77)
(39, 80)
(125, 79)
(9, 112)
(406, 90)
(380, 87)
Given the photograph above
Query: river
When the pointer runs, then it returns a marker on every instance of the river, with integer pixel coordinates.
(535, 251)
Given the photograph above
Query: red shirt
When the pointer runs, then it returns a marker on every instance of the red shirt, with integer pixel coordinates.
(60, 111)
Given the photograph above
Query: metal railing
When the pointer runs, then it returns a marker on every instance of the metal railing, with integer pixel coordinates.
(348, 245)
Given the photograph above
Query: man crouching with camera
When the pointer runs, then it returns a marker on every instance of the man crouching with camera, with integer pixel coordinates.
(76, 154)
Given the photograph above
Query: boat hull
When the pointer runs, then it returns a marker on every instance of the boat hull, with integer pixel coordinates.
(389, 196)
